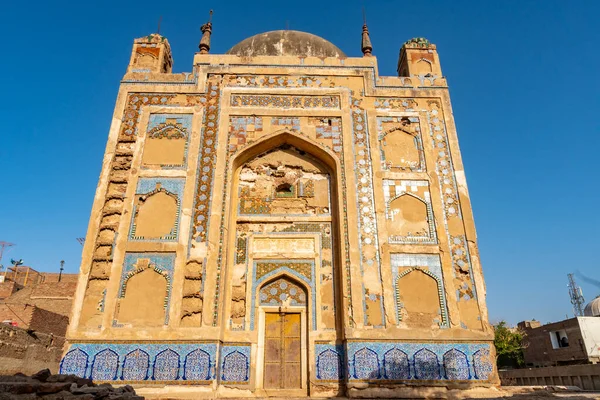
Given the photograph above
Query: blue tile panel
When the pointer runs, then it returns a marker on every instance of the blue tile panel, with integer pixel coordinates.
(162, 125)
(420, 361)
(148, 186)
(162, 263)
(430, 264)
(234, 366)
(160, 362)
(356, 361)
(368, 245)
(281, 265)
(329, 362)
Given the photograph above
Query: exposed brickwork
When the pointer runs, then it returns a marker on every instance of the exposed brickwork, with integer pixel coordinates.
(35, 318)
(28, 353)
(19, 314)
(539, 351)
(57, 298)
(25, 276)
(48, 277)
(7, 288)
(54, 290)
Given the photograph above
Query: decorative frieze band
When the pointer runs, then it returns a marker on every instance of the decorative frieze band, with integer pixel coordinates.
(283, 101)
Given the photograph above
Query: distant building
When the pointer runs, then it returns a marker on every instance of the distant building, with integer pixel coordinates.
(35, 300)
(572, 341)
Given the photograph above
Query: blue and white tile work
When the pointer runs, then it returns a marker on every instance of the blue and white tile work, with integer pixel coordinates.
(162, 263)
(150, 186)
(368, 245)
(393, 189)
(234, 367)
(391, 361)
(294, 268)
(329, 362)
(160, 362)
(402, 264)
(171, 126)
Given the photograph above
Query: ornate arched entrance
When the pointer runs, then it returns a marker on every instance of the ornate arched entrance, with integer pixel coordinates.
(282, 333)
(282, 273)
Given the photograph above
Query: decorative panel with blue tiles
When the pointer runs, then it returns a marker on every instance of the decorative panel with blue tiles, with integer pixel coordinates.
(303, 270)
(161, 263)
(75, 362)
(394, 361)
(148, 187)
(368, 244)
(170, 127)
(235, 364)
(430, 264)
(329, 362)
(135, 362)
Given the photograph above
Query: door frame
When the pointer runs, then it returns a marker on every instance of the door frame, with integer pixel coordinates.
(260, 354)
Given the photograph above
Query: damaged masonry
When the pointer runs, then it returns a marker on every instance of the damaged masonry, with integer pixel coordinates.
(282, 221)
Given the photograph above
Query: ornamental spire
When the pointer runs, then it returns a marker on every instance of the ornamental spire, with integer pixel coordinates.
(206, 30)
(366, 47)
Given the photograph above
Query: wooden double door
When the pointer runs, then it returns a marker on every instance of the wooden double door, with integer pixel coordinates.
(283, 346)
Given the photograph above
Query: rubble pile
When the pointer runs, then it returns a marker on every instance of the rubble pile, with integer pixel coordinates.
(44, 385)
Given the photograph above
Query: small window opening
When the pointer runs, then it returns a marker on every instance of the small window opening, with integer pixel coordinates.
(284, 190)
(559, 339)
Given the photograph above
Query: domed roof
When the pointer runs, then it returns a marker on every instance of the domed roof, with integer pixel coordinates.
(286, 43)
(593, 308)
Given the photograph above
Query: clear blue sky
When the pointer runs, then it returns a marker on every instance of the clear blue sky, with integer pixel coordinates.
(525, 86)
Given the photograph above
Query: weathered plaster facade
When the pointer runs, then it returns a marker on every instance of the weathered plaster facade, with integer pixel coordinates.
(282, 224)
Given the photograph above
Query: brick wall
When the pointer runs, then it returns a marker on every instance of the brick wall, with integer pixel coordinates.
(7, 288)
(19, 313)
(28, 353)
(538, 349)
(54, 290)
(49, 322)
(48, 277)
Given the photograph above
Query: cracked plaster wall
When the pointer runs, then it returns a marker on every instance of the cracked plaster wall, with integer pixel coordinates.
(214, 243)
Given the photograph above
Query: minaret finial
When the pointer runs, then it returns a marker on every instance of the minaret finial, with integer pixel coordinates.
(366, 47)
(206, 30)
(159, 21)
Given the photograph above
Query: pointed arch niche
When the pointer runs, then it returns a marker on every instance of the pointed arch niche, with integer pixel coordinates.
(419, 288)
(156, 210)
(408, 212)
(283, 209)
(144, 295)
(401, 144)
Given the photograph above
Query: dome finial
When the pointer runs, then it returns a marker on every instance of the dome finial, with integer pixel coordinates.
(367, 47)
(206, 30)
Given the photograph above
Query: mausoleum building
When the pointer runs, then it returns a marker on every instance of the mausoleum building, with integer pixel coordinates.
(282, 220)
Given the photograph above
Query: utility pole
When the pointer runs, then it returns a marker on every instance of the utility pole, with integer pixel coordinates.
(62, 265)
(4, 245)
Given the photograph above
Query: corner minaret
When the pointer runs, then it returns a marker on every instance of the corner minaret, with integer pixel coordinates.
(151, 53)
(419, 56)
(367, 47)
(206, 30)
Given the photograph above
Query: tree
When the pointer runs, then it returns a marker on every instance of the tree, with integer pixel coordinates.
(509, 346)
